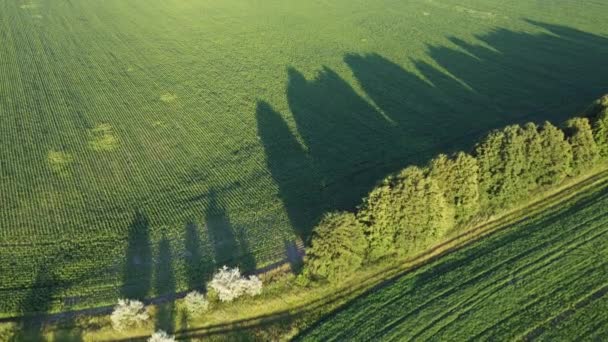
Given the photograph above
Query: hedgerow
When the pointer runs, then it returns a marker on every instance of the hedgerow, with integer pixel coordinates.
(417, 207)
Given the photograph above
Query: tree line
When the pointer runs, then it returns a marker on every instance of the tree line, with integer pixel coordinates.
(417, 207)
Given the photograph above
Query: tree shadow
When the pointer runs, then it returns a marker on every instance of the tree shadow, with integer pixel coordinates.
(38, 301)
(292, 169)
(165, 285)
(230, 245)
(68, 332)
(343, 144)
(137, 271)
(199, 265)
(294, 255)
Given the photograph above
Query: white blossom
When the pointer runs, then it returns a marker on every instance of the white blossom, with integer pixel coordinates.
(128, 313)
(161, 336)
(229, 284)
(196, 303)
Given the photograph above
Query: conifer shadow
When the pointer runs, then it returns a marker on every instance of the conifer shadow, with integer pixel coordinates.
(137, 269)
(291, 167)
(165, 285)
(37, 302)
(230, 244)
(199, 265)
(338, 144)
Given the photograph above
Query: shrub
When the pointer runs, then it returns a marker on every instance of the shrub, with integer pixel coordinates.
(128, 314)
(161, 336)
(196, 303)
(253, 286)
(338, 246)
(228, 284)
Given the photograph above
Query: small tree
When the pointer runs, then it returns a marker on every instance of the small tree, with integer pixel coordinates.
(128, 314)
(196, 303)
(161, 336)
(338, 247)
(229, 284)
(253, 286)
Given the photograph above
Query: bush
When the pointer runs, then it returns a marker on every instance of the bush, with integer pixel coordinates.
(338, 246)
(128, 314)
(228, 284)
(196, 303)
(161, 336)
(253, 286)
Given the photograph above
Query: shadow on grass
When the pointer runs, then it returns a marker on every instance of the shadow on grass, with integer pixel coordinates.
(346, 143)
(38, 300)
(165, 285)
(37, 303)
(230, 244)
(199, 265)
(137, 271)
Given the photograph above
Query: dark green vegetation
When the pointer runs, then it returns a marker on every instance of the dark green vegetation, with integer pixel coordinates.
(419, 207)
(143, 143)
(544, 277)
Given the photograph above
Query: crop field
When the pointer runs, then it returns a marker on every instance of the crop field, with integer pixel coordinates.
(545, 278)
(146, 142)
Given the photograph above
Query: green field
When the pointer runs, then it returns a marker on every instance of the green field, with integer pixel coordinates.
(145, 142)
(544, 278)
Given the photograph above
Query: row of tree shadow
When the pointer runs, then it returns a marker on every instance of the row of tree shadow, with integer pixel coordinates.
(344, 143)
(149, 268)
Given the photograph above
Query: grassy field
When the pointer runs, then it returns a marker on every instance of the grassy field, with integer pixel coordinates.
(543, 279)
(146, 142)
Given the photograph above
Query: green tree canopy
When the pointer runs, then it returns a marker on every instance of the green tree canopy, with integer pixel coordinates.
(585, 152)
(458, 177)
(556, 159)
(338, 246)
(411, 207)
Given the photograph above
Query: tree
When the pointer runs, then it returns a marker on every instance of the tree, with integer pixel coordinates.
(597, 113)
(253, 286)
(161, 336)
(508, 165)
(556, 158)
(128, 314)
(533, 148)
(338, 247)
(458, 178)
(489, 159)
(196, 303)
(411, 208)
(596, 107)
(585, 152)
(375, 213)
(515, 164)
(229, 285)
